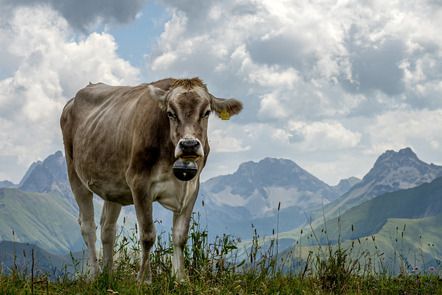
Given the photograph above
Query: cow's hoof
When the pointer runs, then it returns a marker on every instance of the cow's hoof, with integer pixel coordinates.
(144, 279)
(181, 276)
(93, 273)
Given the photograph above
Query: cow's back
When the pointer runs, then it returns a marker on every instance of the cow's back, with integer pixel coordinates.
(100, 114)
(98, 127)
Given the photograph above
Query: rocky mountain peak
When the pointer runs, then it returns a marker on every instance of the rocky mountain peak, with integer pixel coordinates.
(269, 172)
(345, 185)
(391, 172)
(402, 169)
(46, 176)
(258, 188)
(404, 156)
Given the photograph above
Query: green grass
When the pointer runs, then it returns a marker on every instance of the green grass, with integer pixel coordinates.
(216, 267)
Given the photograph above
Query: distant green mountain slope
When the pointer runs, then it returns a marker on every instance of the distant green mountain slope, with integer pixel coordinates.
(371, 216)
(401, 244)
(42, 211)
(417, 241)
(48, 220)
(20, 255)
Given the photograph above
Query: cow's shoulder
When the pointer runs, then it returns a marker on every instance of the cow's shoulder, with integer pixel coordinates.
(96, 90)
(92, 93)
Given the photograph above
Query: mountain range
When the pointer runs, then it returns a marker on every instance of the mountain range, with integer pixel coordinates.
(397, 230)
(259, 193)
(421, 202)
(269, 196)
(392, 171)
(253, 194)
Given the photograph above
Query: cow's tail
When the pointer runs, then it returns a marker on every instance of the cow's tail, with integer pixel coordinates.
(66, 128)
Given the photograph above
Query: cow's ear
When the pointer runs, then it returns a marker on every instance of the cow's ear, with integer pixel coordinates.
(159, 94)
(224, 108)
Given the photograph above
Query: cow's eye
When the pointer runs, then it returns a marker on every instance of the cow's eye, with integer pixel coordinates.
(206, 114)
(171, 115)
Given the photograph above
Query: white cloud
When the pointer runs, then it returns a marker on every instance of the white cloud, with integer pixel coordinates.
(282, 135)
(272, 106)
(324, 135)
(313, 48)
(164, 61)
(223, 141)
(419, 129)
(272, 76)
(316, 78)
(50, 67)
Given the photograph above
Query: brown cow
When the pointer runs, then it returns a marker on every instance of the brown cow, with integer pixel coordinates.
(121, 143)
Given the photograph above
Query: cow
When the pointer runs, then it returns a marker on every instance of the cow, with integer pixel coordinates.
(121, 142)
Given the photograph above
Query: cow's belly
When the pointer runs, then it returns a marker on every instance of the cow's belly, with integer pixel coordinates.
(108, 187)
(110, 192)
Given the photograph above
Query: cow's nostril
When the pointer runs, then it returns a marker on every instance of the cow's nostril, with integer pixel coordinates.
(189, 144)
(189, 149)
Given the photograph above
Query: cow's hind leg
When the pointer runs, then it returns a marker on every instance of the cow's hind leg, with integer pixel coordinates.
(108, 223)
(84, 199)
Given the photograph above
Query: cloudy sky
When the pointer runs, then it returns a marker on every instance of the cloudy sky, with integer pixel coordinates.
(328, 84)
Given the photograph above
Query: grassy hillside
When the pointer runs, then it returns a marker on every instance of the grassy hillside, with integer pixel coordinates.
(370, 217)
(23, 256)
(400, 245)
(46, 220)
(412, 242)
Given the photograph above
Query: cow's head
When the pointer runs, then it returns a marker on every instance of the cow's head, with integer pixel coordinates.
(188, 105)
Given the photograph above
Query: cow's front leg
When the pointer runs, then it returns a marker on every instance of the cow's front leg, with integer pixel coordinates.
(143, 208)
(180, 232)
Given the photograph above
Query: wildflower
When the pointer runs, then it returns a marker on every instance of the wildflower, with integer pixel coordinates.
(373, 281)
(431, 268)
(416, 268)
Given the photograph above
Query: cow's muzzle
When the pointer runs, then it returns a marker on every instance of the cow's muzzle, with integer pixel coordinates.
(189, 149)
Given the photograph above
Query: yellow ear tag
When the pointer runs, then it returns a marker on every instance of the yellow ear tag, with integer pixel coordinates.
(224, 115)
